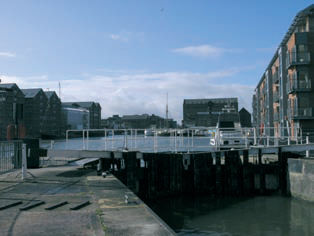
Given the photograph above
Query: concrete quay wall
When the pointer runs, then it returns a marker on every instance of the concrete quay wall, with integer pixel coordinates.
(301, 178)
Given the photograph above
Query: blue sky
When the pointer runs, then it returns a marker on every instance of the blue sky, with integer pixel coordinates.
(128, 54)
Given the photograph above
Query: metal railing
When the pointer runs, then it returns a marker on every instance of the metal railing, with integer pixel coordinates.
(276, 96)
(295, 85)
(301, 112)
(10, 156)
(297, 58)
(176, 140)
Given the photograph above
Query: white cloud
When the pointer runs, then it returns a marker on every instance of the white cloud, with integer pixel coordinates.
(144, 92)
(117, 37)
(126, 36)
(205, 50)
(7, 54)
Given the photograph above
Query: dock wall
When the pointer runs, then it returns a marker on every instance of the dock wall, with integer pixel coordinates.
(301, 178)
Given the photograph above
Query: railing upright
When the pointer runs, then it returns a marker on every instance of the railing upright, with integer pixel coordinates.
(106, 139)
(307, 151)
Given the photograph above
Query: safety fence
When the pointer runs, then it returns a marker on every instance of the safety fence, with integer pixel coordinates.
(10, 156)
(175, 140)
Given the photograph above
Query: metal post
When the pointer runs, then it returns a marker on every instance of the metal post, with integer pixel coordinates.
(112, 136)
(288, 140)
(125, 140)
(51, 144)
(188, 140)
(24, 161)
(255, 137)
(155, 141)
(307, 151)
(246, 142)
(267, 141)
(135, 141)
(192, 140)
(83, 136)
(66, 138)
(87, 138)
(105, 139)
(175, 142)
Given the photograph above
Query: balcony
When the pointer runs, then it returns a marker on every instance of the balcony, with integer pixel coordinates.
(276, 116)
(301, 113)
(297, 85)
(294, 59)
(276, 96)
(276, 78)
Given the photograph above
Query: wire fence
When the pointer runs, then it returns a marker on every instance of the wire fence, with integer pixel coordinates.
(10, 156)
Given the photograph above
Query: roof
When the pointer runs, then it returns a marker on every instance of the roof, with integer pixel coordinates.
(50, 93)
(244, 110)
(30, 93)
(81, 104)
(7, 86)
(297, 19)
(135, 117)
(207, 100)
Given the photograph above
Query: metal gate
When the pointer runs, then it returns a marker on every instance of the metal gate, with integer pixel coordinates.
(10, 155)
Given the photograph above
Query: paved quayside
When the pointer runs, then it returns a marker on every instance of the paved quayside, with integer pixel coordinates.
(103, 209)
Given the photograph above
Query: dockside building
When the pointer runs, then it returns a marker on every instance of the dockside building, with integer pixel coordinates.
(283, 100)
(11, 111)
(205, 112)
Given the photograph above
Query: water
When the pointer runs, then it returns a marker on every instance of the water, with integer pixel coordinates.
(259, 216)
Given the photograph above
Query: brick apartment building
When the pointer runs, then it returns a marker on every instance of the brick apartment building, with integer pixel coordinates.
(283, 99)
(205, 112)
(11, 111)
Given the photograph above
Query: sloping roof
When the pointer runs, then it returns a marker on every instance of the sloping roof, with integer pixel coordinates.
(7, 86)
(75, 104)
(30, 93)
(244, 110)
(49, 93)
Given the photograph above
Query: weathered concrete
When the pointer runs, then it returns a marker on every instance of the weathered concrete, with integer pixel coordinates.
(301, 178)
(107, 213)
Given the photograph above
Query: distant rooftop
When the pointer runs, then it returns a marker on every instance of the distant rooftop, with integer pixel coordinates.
(30, 93)
(135, 117)
(80, 104)
(207, 100)
(7, 86)
(49, 93)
